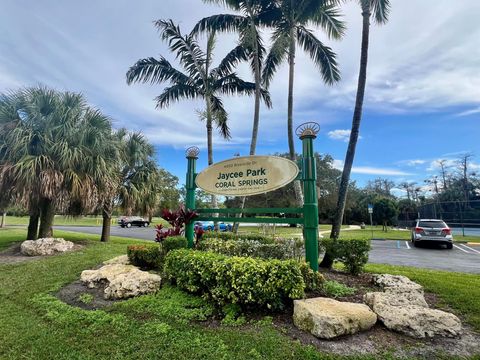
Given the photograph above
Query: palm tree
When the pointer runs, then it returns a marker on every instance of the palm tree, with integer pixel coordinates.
(290, 29)
(254, 13)
(199, 81)
(45, 151)
(380, 9)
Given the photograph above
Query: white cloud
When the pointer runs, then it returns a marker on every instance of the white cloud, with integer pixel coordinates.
(413, 162)
(369, 170)
(339, 134)
(469, 112)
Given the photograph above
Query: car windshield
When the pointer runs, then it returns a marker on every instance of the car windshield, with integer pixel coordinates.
(432, 224)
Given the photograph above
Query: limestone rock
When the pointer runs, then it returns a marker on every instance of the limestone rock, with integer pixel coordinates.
(419, 322)
(396, 282)
(121, 281)
(122, 260)
(379, 301)
(45, 246)
(327, 318)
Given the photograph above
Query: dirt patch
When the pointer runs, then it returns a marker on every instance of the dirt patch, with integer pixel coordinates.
(13, 255)
(77, 294)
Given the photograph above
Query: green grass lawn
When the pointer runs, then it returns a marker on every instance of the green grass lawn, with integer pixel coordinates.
(167, 325)
(393, 234)
(73, 221)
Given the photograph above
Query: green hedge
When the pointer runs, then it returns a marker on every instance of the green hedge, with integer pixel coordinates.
(245, 248)
(352, 253)
(152, 256)
(232, 236)
(236, 280)
(145, 256)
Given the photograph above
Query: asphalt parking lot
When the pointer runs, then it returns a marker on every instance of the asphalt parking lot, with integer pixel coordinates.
(462, 258)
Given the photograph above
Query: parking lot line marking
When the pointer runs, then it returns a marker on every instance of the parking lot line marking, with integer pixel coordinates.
(406, 243)
(469, 248)
(398, 244)
(459, 248)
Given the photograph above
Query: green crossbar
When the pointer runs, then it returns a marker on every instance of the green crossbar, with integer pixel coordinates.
(252, 220)
(251, 211)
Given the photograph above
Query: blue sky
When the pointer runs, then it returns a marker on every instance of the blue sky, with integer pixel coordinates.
(422, 99)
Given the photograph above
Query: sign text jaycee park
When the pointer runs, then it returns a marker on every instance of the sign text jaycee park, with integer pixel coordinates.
(247, 175)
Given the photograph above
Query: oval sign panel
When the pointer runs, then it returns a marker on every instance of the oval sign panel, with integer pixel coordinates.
(247, 175)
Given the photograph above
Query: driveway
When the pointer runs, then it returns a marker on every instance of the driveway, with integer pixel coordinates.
(462, 258)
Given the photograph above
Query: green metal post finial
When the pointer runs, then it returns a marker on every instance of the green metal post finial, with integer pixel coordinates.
(308, 129)
(307, 132)
(192, 156)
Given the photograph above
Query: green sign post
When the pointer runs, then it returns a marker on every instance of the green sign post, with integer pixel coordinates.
(308, 175)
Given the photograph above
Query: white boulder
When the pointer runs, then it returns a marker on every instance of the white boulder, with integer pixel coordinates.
(45, 246)
(122, 260)
(121, 281)
(396, 282)
(327, 318)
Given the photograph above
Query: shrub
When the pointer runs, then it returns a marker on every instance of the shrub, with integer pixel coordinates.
(245, 248)
(352, 253)
(236, 280)
(313, 279)
(232, 236)
(150, 257)
(335, 289)
(173, 243)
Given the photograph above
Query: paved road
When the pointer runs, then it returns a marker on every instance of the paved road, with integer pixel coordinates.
(462, 258)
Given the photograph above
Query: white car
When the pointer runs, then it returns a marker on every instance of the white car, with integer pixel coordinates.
(432, 231)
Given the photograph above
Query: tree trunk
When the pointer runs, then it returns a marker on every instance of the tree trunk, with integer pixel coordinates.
(106, 223)
(210, 151)
(47, 215)
(256, 119)
(357, 117)
(2, 223)
(34, 213)
(291, 144)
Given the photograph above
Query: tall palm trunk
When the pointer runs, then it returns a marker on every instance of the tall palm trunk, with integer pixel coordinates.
(357, 117)
(210, 146)
(34, 216)
(256, 119)
(106, 222)
(291, 144)
(4, 215)
(47, 215)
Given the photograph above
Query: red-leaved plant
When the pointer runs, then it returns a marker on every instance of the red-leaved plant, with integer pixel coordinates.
(177, 219)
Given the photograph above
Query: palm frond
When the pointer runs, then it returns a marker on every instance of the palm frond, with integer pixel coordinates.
(175, 93)
(232, 59)
(220, 23)
(329, 19)
(323, 56)
(220, 117)
(278, 54)
(381, 10)
(155, 71)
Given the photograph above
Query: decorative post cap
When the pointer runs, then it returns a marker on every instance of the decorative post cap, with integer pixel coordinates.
(192, 152)
(308, 130)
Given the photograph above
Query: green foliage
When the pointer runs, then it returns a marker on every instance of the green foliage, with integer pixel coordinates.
(174, 242)
(232, 236)
(237, 280)
(352, 253)
(385, 211)
(245, 248)
(335, 289)
(86, 298)
(145, 256)
(313, 279)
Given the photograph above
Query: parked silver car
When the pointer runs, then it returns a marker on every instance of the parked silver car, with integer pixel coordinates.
(432, 231)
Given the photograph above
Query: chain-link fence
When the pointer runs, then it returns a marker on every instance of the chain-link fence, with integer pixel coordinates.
(462, 215)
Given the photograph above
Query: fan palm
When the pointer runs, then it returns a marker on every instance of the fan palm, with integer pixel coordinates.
(290, 29)
(46, 152)
(199, 81)
(380, 10)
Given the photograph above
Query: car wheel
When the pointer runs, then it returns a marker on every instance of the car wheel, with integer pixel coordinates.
(129, 225)
(449, 246)
(415, 243)
(145, 224)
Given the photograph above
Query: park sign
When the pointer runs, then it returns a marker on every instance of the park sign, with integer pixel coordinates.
(247, 175)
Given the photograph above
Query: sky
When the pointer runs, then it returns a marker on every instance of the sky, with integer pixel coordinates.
(422, 99)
